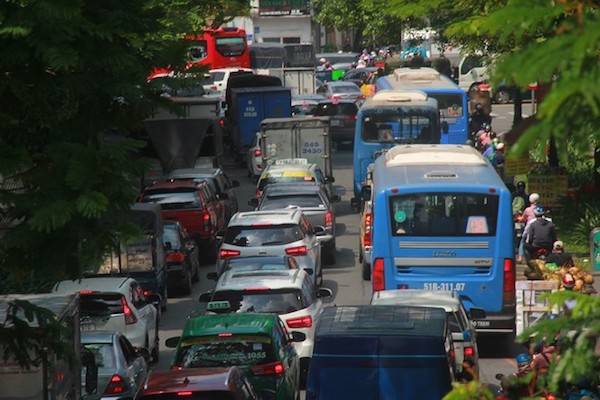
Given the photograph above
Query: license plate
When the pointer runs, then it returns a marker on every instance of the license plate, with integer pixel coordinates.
(451, 286)
(335, 122)
(87, 327)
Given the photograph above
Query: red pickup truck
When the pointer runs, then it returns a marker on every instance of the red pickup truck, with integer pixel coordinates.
(195, 206)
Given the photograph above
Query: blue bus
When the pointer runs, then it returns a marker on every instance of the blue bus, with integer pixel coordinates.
(452, 100)
(442, 220)
(390, 118)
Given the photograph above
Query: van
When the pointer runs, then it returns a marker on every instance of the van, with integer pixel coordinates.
(381, 352)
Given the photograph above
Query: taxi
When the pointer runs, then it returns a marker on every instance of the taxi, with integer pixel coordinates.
(258, 343)
(290, 170)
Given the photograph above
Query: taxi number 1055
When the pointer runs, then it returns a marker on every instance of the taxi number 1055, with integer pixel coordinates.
(458, 286)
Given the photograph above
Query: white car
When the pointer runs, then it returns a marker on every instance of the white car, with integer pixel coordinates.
(290, 294)
(116, 304)
(217, 78)
(254, 158)
(463, 331)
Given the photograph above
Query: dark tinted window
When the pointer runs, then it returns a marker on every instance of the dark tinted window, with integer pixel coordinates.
(303, 200)
(171, 235)
(100, 305)
(173, 199)
(304, 109)
(331, 109)
(262, 235)
(244, 264)
(214, 351)
(345, 89)
(208, 395)
(268, 301)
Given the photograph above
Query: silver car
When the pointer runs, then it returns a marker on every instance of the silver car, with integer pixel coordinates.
(122, 369)
(312, 199)
(276, 232)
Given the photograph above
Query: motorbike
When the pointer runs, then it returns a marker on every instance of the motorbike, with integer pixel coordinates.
(519, 228)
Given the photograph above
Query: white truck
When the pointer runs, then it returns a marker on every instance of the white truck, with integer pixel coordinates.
(299, 80)
(306, 138)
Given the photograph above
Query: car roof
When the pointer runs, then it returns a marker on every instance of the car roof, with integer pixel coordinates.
(447, 300)
(341, 83)
(271, 217)
(174, 185)
(190, 379)
(100, 284)
(338, 101)
(308, 97)
(193, 172)
(293, 189)
(290, 167)
(98, 337)
(242, 323)
(274, 279)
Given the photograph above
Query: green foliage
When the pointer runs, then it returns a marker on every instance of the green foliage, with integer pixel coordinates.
(578, 218)
(473, 390)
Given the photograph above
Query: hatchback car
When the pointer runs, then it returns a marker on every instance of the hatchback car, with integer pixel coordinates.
(309, 197)
(218, 180)
(290, 294)
(305, 105)
(342, 115)
(259, 344)
(116, 304)
(341, 90)
(271, 233)
(122, 369)
(463, 331)
(220, 383)
(255, 263)
(181, 256)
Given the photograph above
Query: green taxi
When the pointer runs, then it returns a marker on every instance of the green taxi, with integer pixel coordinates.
(257, 343)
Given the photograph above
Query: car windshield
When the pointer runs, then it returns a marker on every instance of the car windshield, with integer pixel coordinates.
(104, 354)
(173, 199)
(331, 109)
(300, 200)
(224, 350)
(281, 301)
(263, 235)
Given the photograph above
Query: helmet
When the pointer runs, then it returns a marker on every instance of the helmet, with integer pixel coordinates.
(568, 281)
(521, 186)
(534, 198)
(322, 60)
(538, 211)
(552, 316)
(487, 128)
(523, 359)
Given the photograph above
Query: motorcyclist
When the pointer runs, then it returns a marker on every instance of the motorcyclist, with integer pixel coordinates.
(541, 234)
(520, 199)
(528, 214)
(478, 118)
(516, 386)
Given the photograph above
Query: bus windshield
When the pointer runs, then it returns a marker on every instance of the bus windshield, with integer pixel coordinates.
(451, 105)
(444, 214)
(409, 126)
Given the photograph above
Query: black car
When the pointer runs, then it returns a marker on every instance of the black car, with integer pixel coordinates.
(216, 177)
(343, 118)
(181, 256)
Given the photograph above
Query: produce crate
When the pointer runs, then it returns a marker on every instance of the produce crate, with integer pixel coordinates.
(531, 305)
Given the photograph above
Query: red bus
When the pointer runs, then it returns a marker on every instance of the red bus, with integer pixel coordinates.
(220, 48)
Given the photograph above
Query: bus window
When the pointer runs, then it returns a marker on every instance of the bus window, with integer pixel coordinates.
(399, 129)
(198, 51)
(451, 105)
(231, 46)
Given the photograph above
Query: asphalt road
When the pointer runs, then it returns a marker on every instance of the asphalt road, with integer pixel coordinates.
(344, 278)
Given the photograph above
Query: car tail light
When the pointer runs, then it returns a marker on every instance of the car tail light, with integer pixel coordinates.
(378, 275)
(469, 351)
(115, 386)
(296, 251)
(329, 219)
(130, 317)
(367, 231)
(176, 368)
(185, 393)
(228, 253)
(206, 220)
(509, 280)
(360, 96)
(222, 122)
(275, 368)
(334, 96)
(176, 257)
(300, 322)
(258, 193)
(214, 87)
(257, 153)
(147, 293)
(84, 292)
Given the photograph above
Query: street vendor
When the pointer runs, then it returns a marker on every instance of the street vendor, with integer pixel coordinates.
(559, 255)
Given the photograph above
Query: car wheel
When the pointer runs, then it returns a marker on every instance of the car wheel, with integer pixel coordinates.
(366, 271)
(502, 96)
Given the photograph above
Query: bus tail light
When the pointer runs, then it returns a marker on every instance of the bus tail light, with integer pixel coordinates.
(378, 275)
(367, 231)
(509, 280)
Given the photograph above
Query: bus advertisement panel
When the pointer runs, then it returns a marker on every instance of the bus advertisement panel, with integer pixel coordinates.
(441, 218)
(452, 100)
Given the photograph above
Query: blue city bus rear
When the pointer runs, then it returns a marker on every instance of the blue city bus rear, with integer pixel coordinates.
(452, 100)
(445, 226)
(383, 122)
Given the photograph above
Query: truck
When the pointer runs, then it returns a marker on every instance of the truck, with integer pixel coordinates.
(249, 106)
(306, 138)
(58, 376)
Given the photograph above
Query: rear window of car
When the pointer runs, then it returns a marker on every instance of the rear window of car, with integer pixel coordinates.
(171, 235)
(101, 305)
(332, 109)
(216, 351)
(303, 200)
(217, 76)
(173, 199)
(304, 109)
(282, 301)
(285, 177)
(104, 354)
(190, 395)
(345, 89)
(269, 235)
(243, 264)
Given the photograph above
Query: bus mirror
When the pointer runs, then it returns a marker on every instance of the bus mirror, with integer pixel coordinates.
(354, 204)
(445, 127)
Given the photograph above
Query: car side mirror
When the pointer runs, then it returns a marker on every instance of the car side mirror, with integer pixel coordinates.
(154, 299)
(88, 361)
(365, 193)
(143, 352)
(330, 179)
(219, 236)
(205, 297)
(168, 246)
(223, 196)
(235, 183)
(319, 230)
(336, 198)
(212, 276)
(309, 271)
(445, 127)
(477, 313)
(355, 204)
(324, 293)
(253, 202)
(172, 342)
(298, 336)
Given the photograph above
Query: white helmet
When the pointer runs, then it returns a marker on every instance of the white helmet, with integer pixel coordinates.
(322, 60)
(534, 198)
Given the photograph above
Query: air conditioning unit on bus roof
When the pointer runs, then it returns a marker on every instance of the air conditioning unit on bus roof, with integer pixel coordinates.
(434, 155)
(400, 96)
(423, 74)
